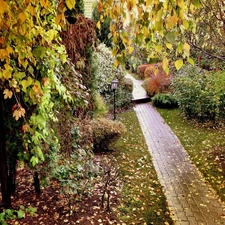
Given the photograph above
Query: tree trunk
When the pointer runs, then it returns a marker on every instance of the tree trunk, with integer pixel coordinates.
(37, 183)
(6, 199)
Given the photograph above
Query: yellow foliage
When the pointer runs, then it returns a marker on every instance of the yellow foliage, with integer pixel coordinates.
(70, 3)
(7, 94)
(171, 21)
(4, 7)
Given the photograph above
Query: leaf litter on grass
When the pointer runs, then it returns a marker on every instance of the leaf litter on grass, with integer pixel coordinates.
(143, 200)
(205, 144)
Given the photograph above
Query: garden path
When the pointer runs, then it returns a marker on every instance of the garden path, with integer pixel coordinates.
(191, 200)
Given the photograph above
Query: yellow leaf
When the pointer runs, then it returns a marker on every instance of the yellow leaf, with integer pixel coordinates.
(186, 24)
(98, 25)
(44, 3)
(4, 7)
(50, 34)
(19, 113)
(191, 61)
(130, 49)
(70, 4)
(7, 94)
(7, 73)
(9, 49)
(26, 83)
(114, 51)
(145, 31)
(58, 19)
(169, 46)
(3, 54)
(186, 48)
(148, 3)
(22, 17)
(159, 15)
(179, 64)
(158, 48)
(31, 10)
(171, 21)
(116, 63)
(165, 63)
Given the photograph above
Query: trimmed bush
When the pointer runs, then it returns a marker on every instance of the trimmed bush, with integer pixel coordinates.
(153, 69)
(141, 70)
(105, 132)
(164, 101)
(159, 83)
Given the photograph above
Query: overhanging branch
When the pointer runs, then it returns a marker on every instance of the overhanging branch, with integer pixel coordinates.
(222, 58)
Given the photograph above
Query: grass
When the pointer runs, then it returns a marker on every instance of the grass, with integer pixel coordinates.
(205, 145)
(143, 200)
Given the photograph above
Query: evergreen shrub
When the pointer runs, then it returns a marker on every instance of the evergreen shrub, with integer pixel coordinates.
(164, 101)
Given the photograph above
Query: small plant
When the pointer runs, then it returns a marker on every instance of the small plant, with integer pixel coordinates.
(164, 101)
(100, 106)
(10, 214)
(109, 178)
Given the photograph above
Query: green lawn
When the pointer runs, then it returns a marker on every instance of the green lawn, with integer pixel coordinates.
(205, 144)
(143, 201)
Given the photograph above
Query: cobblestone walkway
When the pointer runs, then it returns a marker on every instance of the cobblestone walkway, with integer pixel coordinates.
(190, 199)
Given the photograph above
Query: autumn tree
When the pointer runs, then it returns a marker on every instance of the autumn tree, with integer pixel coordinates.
(158, 25)
(208, 40)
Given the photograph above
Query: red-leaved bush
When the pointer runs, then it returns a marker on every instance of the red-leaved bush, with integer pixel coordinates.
(157, 83)
(141, 70)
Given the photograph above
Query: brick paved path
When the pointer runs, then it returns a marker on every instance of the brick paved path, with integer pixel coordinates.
(190, 199)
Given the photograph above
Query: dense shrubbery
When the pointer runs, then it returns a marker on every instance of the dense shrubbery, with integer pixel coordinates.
(105, 132)
(164, 101)
(103, 72)
(200, 94)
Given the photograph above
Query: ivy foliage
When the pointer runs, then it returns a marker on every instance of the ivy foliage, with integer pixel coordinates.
(31, 54)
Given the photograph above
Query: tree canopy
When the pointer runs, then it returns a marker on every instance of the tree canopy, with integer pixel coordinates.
(159, 25)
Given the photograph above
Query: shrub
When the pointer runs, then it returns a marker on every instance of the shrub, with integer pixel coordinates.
(100, 106)
(158, 83)
(152, 70)
(164, 101)
(141, 70)
(102, 69)
(200, 94)
(105, 132)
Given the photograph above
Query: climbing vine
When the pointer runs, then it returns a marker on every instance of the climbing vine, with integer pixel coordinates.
(30, 53)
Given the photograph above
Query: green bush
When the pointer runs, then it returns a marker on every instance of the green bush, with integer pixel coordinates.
(200, 94)
(164, 101)
(105, 132)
